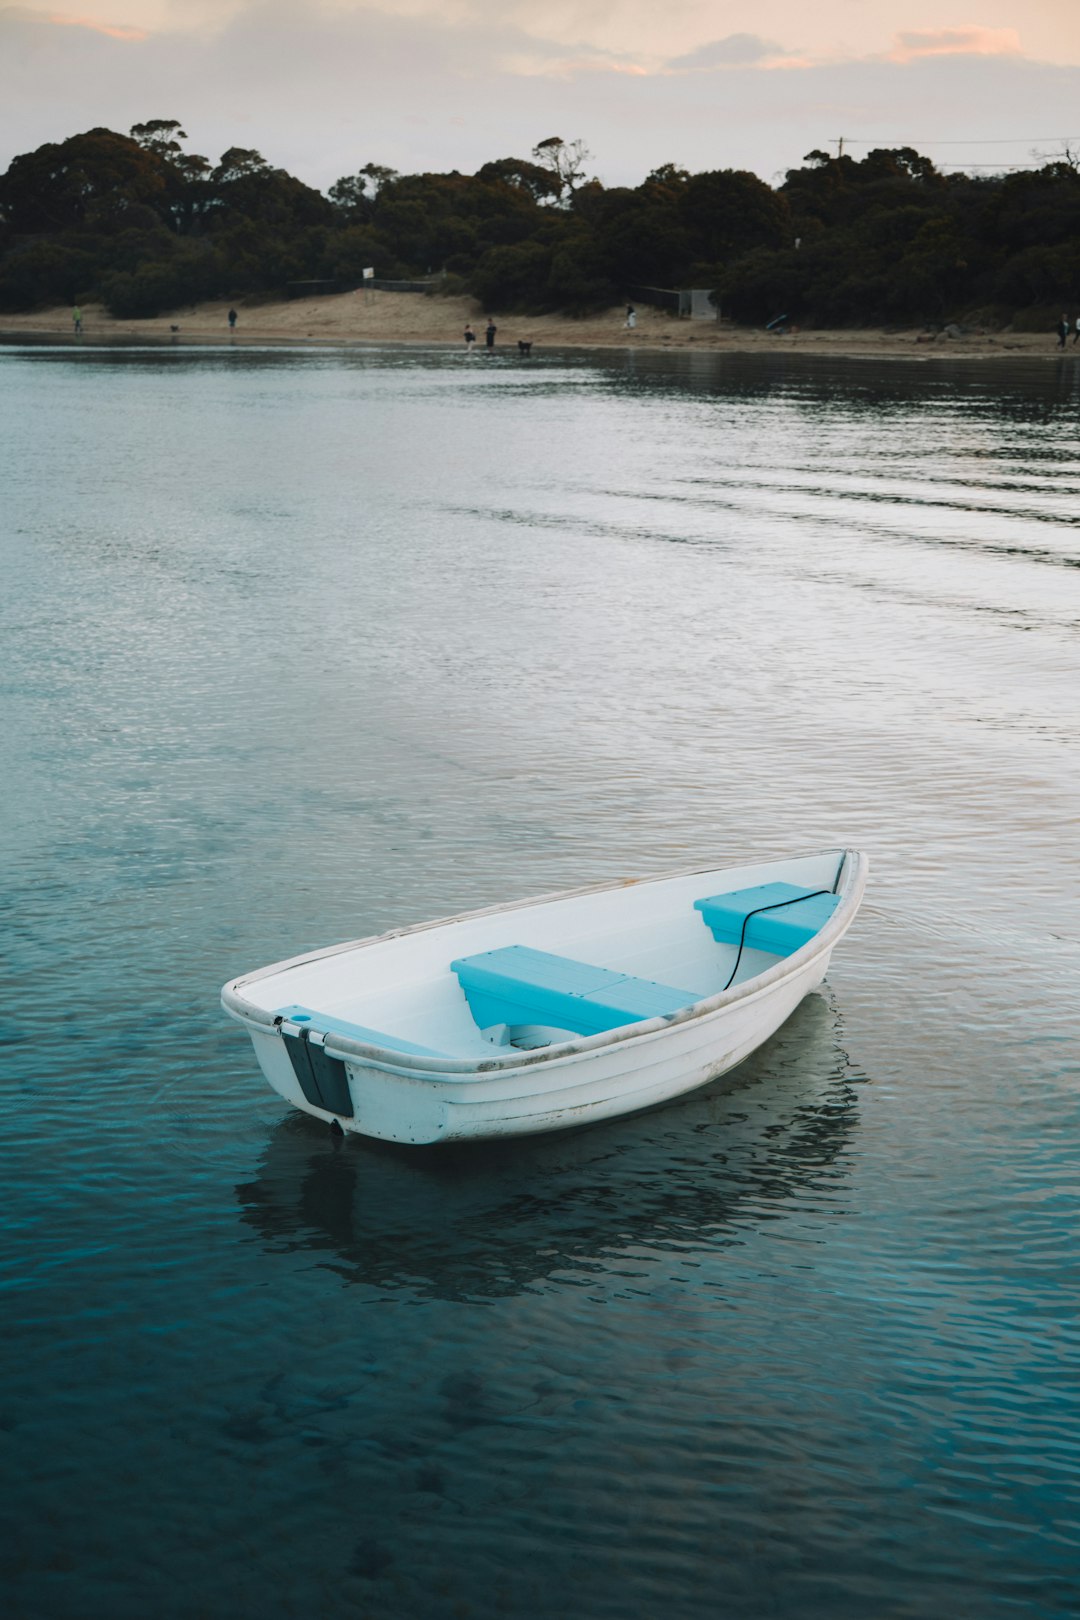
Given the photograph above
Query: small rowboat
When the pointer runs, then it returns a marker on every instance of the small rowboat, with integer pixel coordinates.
(546, 1014)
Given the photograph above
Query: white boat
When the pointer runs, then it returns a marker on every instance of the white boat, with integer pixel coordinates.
(549, 1013)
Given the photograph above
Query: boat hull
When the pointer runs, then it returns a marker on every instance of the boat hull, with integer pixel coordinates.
(421, 1101)
(583, 1088)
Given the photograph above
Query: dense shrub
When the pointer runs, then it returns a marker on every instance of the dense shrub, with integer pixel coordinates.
(191, 271)
(146, 226)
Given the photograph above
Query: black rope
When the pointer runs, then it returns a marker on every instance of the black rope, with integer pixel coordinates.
(775, 906)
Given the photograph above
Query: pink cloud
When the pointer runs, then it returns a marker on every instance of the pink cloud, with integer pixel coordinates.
(113, 30)
(970, 40)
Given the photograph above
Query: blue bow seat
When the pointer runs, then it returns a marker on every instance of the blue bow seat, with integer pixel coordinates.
(803, 914)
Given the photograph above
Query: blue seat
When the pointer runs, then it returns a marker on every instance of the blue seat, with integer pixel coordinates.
(321, 1025)
(519, 985)
(780, 932)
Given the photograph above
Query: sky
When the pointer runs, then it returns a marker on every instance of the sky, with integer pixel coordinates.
(321, 87)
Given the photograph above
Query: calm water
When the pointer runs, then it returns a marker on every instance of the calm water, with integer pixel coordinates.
(299, 646)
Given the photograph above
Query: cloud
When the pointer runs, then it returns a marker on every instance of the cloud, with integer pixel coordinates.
(569, 67)
(736, 50)
(967, 41)
(111, 30)
(542, 58)
(322, 89)
(752, 51)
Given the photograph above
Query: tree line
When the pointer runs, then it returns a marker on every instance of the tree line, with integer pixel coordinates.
(145, 226)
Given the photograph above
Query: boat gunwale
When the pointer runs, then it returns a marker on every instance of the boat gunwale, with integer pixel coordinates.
(851, 883)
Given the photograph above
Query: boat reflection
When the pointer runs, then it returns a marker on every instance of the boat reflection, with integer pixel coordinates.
(494, 1218)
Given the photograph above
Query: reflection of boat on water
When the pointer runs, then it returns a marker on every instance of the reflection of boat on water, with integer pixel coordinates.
(493, 1218)
(548, 1014)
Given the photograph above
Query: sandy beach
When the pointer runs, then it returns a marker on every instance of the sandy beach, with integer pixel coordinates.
(389, 317)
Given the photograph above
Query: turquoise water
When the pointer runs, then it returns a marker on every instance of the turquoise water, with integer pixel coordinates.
(300, 646)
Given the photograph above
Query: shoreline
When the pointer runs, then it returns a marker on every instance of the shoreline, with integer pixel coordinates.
(363, 318)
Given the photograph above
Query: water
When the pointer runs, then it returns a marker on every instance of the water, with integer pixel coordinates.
(299, 646)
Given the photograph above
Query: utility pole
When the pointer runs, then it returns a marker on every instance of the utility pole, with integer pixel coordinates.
(839, 139)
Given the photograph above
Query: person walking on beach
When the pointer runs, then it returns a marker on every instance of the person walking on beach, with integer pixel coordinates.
(470, 337)
(76, 316)
(489, 333)
(1063, 331)
(232, 320)
(1076, 337)
(631, 317)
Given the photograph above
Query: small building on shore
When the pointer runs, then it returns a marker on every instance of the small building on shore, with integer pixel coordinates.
(689, 303)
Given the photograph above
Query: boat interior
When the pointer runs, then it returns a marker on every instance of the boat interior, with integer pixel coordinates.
(544, 972)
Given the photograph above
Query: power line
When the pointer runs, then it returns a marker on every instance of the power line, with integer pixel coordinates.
(1013, 140)
(995, 168)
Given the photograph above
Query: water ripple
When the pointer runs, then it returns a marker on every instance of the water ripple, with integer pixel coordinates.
(304, 645)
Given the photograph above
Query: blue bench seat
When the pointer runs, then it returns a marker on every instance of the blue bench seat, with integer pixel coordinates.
(519, 985)
(320, 1024)
(779, 932)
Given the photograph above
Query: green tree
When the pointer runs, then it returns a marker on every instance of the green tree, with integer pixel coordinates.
(187, 193)
(537, 180)
(565, 161)
(188, 272)
(149, 225)
(514, 277)
(351, 251)
(162, 136)
(726, 212)
(88, 181)
(46, 270)
(642, 237)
